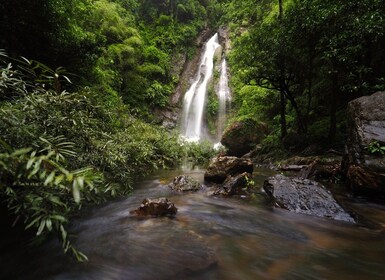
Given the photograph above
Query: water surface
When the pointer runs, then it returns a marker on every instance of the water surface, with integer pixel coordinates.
(210, 238)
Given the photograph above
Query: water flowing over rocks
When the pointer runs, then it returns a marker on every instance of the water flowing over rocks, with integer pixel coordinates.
(185, 183)
(305, 197)
(156, 207)
(365, 170)
(242, 136)
(222, 166)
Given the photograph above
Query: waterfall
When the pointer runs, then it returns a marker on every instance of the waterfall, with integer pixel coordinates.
(195, 97)
(224, 97)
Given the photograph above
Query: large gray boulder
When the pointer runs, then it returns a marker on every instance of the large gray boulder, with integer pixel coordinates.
(363, 166)
(223, 166)
(304, 196)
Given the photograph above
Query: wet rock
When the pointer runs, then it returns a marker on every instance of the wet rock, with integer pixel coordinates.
(292, 167)
(223, 166)
(156, 207)
(365, 170)
(184, 183)
(304, 196)
(319, 170)
(315, 168)
(242, 136)
(234, 185)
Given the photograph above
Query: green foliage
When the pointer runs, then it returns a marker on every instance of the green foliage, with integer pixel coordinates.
(375, 148)
(307, 55)
(199, 152)
(122, 48)
(43, 185)
(40, 191)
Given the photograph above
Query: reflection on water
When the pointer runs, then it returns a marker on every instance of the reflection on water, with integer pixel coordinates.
(210, 238)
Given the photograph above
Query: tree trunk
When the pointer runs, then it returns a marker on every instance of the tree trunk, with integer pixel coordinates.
(283, 115)
(333, 106)
(300, 122)
(333, 119)
(282, 74)
(280, 15)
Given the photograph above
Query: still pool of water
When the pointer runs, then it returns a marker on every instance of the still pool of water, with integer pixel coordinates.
(210, 238)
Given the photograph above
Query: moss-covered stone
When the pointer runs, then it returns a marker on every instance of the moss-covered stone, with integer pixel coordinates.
(242, 136)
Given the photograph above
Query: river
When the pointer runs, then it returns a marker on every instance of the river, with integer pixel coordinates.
(210, 238)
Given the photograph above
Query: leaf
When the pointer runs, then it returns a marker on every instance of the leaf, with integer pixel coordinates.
(50, 178)
(59, 218)
(30, 162)
(75, 191)
(21, 151)
(59, 179)
(41, 227)
(63, 233)
(80, 182)
(49, 224)
(6, 146)
(56, 200)
(35, 169)
(33, 222)
(67, 79)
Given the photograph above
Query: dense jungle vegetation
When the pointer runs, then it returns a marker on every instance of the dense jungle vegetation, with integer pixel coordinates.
(296, 64)
(81, 79)
(79, 82)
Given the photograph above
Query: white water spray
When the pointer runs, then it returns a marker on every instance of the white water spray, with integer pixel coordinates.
(224, 98)
(195, 97)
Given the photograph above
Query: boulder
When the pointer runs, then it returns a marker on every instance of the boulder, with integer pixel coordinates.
(223, 166)
(363, 167)
(242, 136)
(234, 185)
(184, 183)
(304, 196)
(156, 207)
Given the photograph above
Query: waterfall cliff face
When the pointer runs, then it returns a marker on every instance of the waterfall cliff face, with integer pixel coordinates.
(195, 97)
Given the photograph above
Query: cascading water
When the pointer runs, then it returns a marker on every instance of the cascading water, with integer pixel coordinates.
(224, 98)
(195, 97)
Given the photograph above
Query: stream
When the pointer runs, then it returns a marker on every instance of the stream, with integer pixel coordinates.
(209, 238)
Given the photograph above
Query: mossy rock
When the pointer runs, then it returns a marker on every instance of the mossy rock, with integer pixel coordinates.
(242, 136)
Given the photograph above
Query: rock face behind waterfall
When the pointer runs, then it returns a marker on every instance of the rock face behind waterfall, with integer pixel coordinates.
(365, 168)
(242, 136)
(304, 196)
(221, 167)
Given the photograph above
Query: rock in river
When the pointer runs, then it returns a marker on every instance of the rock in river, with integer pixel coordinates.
(184, 183)
(156, 207)
(234, 185)
(365, 166)
(304, 196)
(223, 166)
